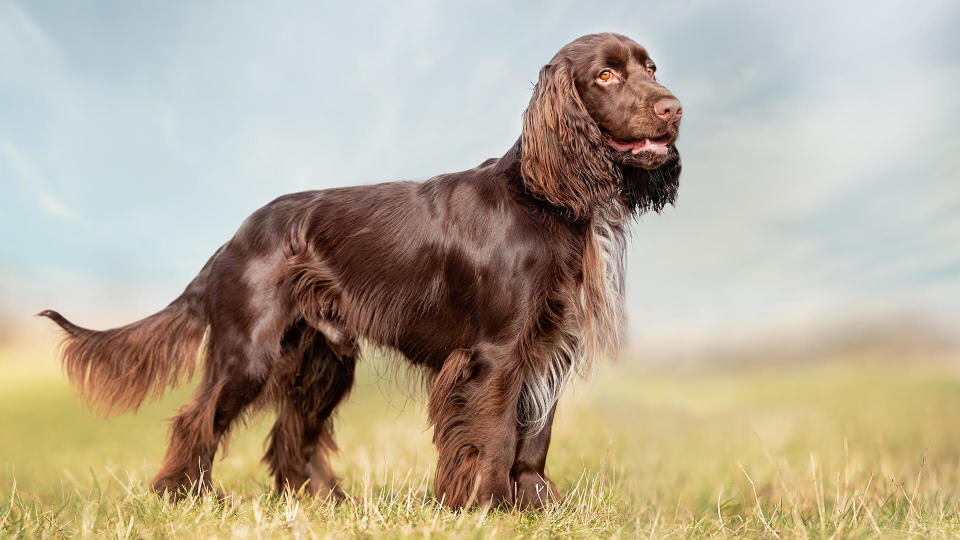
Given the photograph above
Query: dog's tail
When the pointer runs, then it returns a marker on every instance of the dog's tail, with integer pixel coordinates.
(116, 370)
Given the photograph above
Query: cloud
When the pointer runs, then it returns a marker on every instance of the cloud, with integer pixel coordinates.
(820, 171)
(21, 168)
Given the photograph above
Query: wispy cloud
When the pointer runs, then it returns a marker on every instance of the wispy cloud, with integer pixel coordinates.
(20, 168)
(818, 141)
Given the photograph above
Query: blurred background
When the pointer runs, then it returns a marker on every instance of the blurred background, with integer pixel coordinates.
(797, 311)
(821, 152)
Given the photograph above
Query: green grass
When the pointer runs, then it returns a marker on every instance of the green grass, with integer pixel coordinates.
(846, 448)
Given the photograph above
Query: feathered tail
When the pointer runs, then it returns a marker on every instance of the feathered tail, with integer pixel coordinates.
(116, 370)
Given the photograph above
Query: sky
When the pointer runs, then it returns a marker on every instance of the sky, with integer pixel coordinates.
(820, 142)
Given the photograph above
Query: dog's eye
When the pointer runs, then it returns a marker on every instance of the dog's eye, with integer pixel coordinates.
(607, 76)
(651, 71)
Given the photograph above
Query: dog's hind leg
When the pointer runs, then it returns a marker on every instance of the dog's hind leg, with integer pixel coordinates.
(248, 317)
(226, 390)
(302, 438)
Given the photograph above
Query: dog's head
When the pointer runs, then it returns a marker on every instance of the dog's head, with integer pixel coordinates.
(600, 127)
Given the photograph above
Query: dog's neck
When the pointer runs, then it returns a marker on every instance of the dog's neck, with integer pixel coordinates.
(641, 190)
(509, 164)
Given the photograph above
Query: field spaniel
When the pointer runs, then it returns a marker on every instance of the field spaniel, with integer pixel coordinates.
(501, 283)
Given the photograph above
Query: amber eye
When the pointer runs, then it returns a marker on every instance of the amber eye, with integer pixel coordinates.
(651, 71)
(605, 75)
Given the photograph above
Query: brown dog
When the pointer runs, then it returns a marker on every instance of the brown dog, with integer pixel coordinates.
(501, 282)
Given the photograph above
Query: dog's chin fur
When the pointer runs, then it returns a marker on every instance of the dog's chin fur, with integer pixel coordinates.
(645, 189)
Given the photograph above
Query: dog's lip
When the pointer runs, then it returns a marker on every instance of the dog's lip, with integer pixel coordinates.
(657, 145)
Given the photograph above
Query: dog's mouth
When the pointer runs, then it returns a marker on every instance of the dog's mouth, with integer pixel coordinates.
(655, 145)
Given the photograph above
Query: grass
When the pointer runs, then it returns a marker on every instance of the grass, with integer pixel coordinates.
(850, 447)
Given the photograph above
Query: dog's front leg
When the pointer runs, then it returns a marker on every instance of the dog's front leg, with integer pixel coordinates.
(473, 406)
(534, 488)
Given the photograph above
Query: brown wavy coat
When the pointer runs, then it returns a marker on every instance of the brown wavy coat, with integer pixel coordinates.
(502, 282)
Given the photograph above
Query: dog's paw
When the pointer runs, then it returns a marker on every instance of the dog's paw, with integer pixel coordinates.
(535, 491)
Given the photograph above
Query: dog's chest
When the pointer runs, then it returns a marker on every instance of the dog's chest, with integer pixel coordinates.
(601, 290)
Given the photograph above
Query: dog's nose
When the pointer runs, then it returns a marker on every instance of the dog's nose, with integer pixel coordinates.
(669, 109)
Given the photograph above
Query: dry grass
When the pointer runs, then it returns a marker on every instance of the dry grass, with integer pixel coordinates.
(852, 447)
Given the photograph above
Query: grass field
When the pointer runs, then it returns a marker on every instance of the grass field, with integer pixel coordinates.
(849, 447)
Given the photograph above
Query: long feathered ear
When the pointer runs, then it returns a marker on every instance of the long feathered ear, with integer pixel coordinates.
(564, 158)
